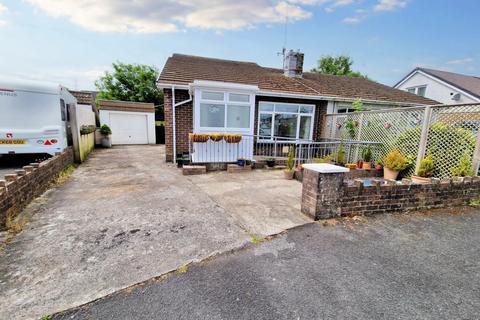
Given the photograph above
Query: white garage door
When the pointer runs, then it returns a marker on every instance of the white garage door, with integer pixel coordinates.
(129, 128)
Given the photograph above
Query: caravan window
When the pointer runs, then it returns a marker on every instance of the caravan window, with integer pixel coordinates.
(63, 110)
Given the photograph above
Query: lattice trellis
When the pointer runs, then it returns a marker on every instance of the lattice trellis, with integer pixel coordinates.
(452, 132)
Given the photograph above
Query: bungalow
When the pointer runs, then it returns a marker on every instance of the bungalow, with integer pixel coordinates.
(214, 95)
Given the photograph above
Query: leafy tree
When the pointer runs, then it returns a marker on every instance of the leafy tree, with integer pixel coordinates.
(130, 82)
(336, 65)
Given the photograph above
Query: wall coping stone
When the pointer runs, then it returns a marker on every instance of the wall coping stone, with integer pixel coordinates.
(325, 168)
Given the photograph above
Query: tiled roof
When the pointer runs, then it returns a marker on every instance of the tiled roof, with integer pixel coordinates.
(84, 97)
(466, 83)
(184, 69)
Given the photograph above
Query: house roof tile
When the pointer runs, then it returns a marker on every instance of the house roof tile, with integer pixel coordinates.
(184, 69)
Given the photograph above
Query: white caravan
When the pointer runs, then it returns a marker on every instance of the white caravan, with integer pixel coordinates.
(33, 117)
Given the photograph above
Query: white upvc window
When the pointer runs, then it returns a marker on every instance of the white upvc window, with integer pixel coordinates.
(224, 111)
(285, 120)
(419, 90)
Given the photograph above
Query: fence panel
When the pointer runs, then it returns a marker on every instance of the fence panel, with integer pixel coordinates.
(451, 132)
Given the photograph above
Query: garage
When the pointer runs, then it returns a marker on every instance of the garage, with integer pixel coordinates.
(131, 122)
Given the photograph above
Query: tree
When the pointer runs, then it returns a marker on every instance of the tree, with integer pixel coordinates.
(130, 82)
(338, 66)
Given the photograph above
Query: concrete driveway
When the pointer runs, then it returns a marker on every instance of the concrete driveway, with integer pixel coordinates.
(123, 217)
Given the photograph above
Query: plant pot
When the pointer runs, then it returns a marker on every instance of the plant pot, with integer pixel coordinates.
(270, 163)
(232, 138)
(378, 167)
(359, 164)
(106, 142)
(241, 162)
(367, 166)
(298, 174)
(289, 174)
(421, 180)
(179, 163)
(389, 174)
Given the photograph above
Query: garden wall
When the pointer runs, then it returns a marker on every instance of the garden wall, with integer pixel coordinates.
(86, 145)
(18, 189)
(326, 195)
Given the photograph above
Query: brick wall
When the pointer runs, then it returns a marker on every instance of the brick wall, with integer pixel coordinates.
(369, 200)
(327, 196)
(17, 190)
(184, 125)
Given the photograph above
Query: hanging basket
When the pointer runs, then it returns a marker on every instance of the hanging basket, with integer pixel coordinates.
(232, 138)
(198, 137)
(216, 137)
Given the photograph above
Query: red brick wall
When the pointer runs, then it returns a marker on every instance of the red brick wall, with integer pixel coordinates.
(20, 189)
(184, 118)
(320, 111)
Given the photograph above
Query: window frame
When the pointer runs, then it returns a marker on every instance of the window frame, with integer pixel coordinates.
(416, 89)
(299, 114)
(226, 102)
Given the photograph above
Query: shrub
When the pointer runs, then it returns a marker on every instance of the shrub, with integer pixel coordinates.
(426, 168)
(341, 153)
(395, 161)
(446, 144)
(87, 129)
(326, 159)
(464, 167)
(105, 130)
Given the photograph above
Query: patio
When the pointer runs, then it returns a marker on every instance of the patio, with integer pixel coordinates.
(262, 202)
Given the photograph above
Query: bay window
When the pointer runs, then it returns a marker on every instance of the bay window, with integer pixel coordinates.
(224, 111)
(285, 120)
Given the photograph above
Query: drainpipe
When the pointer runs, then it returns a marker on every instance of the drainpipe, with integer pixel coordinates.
(174, 124)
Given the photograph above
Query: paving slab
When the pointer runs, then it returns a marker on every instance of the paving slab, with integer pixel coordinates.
(263, 202)
(124, 216)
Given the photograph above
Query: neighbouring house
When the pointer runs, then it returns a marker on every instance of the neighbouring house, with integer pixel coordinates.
(445, 87)
(214, 95)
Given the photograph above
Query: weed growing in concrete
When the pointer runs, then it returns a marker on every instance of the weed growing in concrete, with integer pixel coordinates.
(475, 203)
(254, 239)
(48, 317)
(183, 268)
(64, 175)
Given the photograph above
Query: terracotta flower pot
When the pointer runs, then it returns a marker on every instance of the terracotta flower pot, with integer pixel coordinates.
(421, 180)
(389, 174)
(367, 165)
(289, 174)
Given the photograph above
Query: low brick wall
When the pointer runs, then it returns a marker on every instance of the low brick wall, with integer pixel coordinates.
(326, 195)
(18, 189)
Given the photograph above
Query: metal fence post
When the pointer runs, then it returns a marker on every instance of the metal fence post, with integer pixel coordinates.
(422, 146)
(476, 156)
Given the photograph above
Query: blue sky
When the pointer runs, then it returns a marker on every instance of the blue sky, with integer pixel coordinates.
(73, 41)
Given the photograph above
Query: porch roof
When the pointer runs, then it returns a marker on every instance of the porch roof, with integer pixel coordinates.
(184, 69)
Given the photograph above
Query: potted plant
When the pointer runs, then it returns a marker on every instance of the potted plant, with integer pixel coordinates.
(270, 162)
(464, 168)
(241, 162)
(216, 137)
(425, 171)
(367, 158)
(106, 132)
(232, 137)
(199, 137)
(289, 172)
(379, 166)
(394, 162)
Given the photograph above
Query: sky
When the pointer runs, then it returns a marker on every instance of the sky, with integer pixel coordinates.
(73, 42)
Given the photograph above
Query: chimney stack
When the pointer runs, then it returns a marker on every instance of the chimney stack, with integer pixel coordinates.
(293, 64)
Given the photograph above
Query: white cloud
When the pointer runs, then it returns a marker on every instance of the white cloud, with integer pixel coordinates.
(460, 61)
(3, 9)
(152, 16)
(390, 5)
(352, 20)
